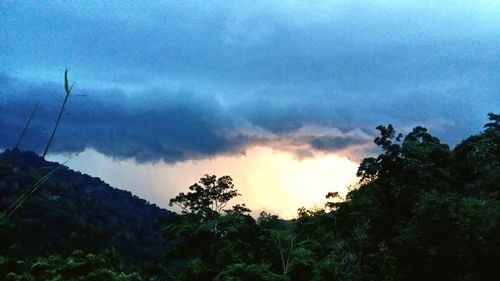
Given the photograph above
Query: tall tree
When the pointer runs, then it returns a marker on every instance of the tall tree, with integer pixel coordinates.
(210, 195)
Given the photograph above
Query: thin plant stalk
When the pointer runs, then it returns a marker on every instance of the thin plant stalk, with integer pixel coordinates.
(26, 195)
(27, 125)
(67, 89)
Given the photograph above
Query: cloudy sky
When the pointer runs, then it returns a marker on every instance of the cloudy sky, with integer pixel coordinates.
(282, 95)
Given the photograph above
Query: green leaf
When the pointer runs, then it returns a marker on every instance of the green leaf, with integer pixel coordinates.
(66, 83)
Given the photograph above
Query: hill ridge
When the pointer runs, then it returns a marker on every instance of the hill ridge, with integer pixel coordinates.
(73, 210)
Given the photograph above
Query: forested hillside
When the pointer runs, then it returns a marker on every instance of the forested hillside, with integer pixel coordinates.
(72, 211)
(421, 211)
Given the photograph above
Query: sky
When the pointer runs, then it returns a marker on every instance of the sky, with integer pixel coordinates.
(283, 96)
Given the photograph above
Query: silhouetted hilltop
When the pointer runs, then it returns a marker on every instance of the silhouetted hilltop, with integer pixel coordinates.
(74, 211)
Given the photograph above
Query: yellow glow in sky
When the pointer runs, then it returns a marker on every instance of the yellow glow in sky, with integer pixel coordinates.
(268, 180)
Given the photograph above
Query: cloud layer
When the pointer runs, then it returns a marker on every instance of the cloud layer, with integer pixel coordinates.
(151, 125)
(181, 81)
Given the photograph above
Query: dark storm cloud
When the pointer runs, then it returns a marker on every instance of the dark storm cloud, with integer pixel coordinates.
(186, 76)
(335, 143)
(151, 126)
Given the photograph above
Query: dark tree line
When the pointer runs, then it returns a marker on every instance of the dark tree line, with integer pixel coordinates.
(422, 211)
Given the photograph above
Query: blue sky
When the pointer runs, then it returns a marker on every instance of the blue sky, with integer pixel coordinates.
(175, 81)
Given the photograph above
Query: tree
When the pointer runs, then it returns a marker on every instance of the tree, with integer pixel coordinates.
(248, 272)
(371, 168)
(282, 234)
(210, 195)
(208, 237)
(493, 127)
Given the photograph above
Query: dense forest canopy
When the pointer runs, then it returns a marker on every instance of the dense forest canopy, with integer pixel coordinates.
(421, 211)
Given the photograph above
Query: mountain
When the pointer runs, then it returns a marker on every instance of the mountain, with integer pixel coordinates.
(72, 211)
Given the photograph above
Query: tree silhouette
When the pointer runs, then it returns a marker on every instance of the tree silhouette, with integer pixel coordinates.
(210, 195)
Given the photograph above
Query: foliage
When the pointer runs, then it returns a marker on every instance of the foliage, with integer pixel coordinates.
(77, 266)
(421, 211)
(248, 272)
(74, 212)
(206, 235)
(210, 195)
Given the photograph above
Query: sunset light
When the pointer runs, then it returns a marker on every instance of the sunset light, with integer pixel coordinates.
(270, 180)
